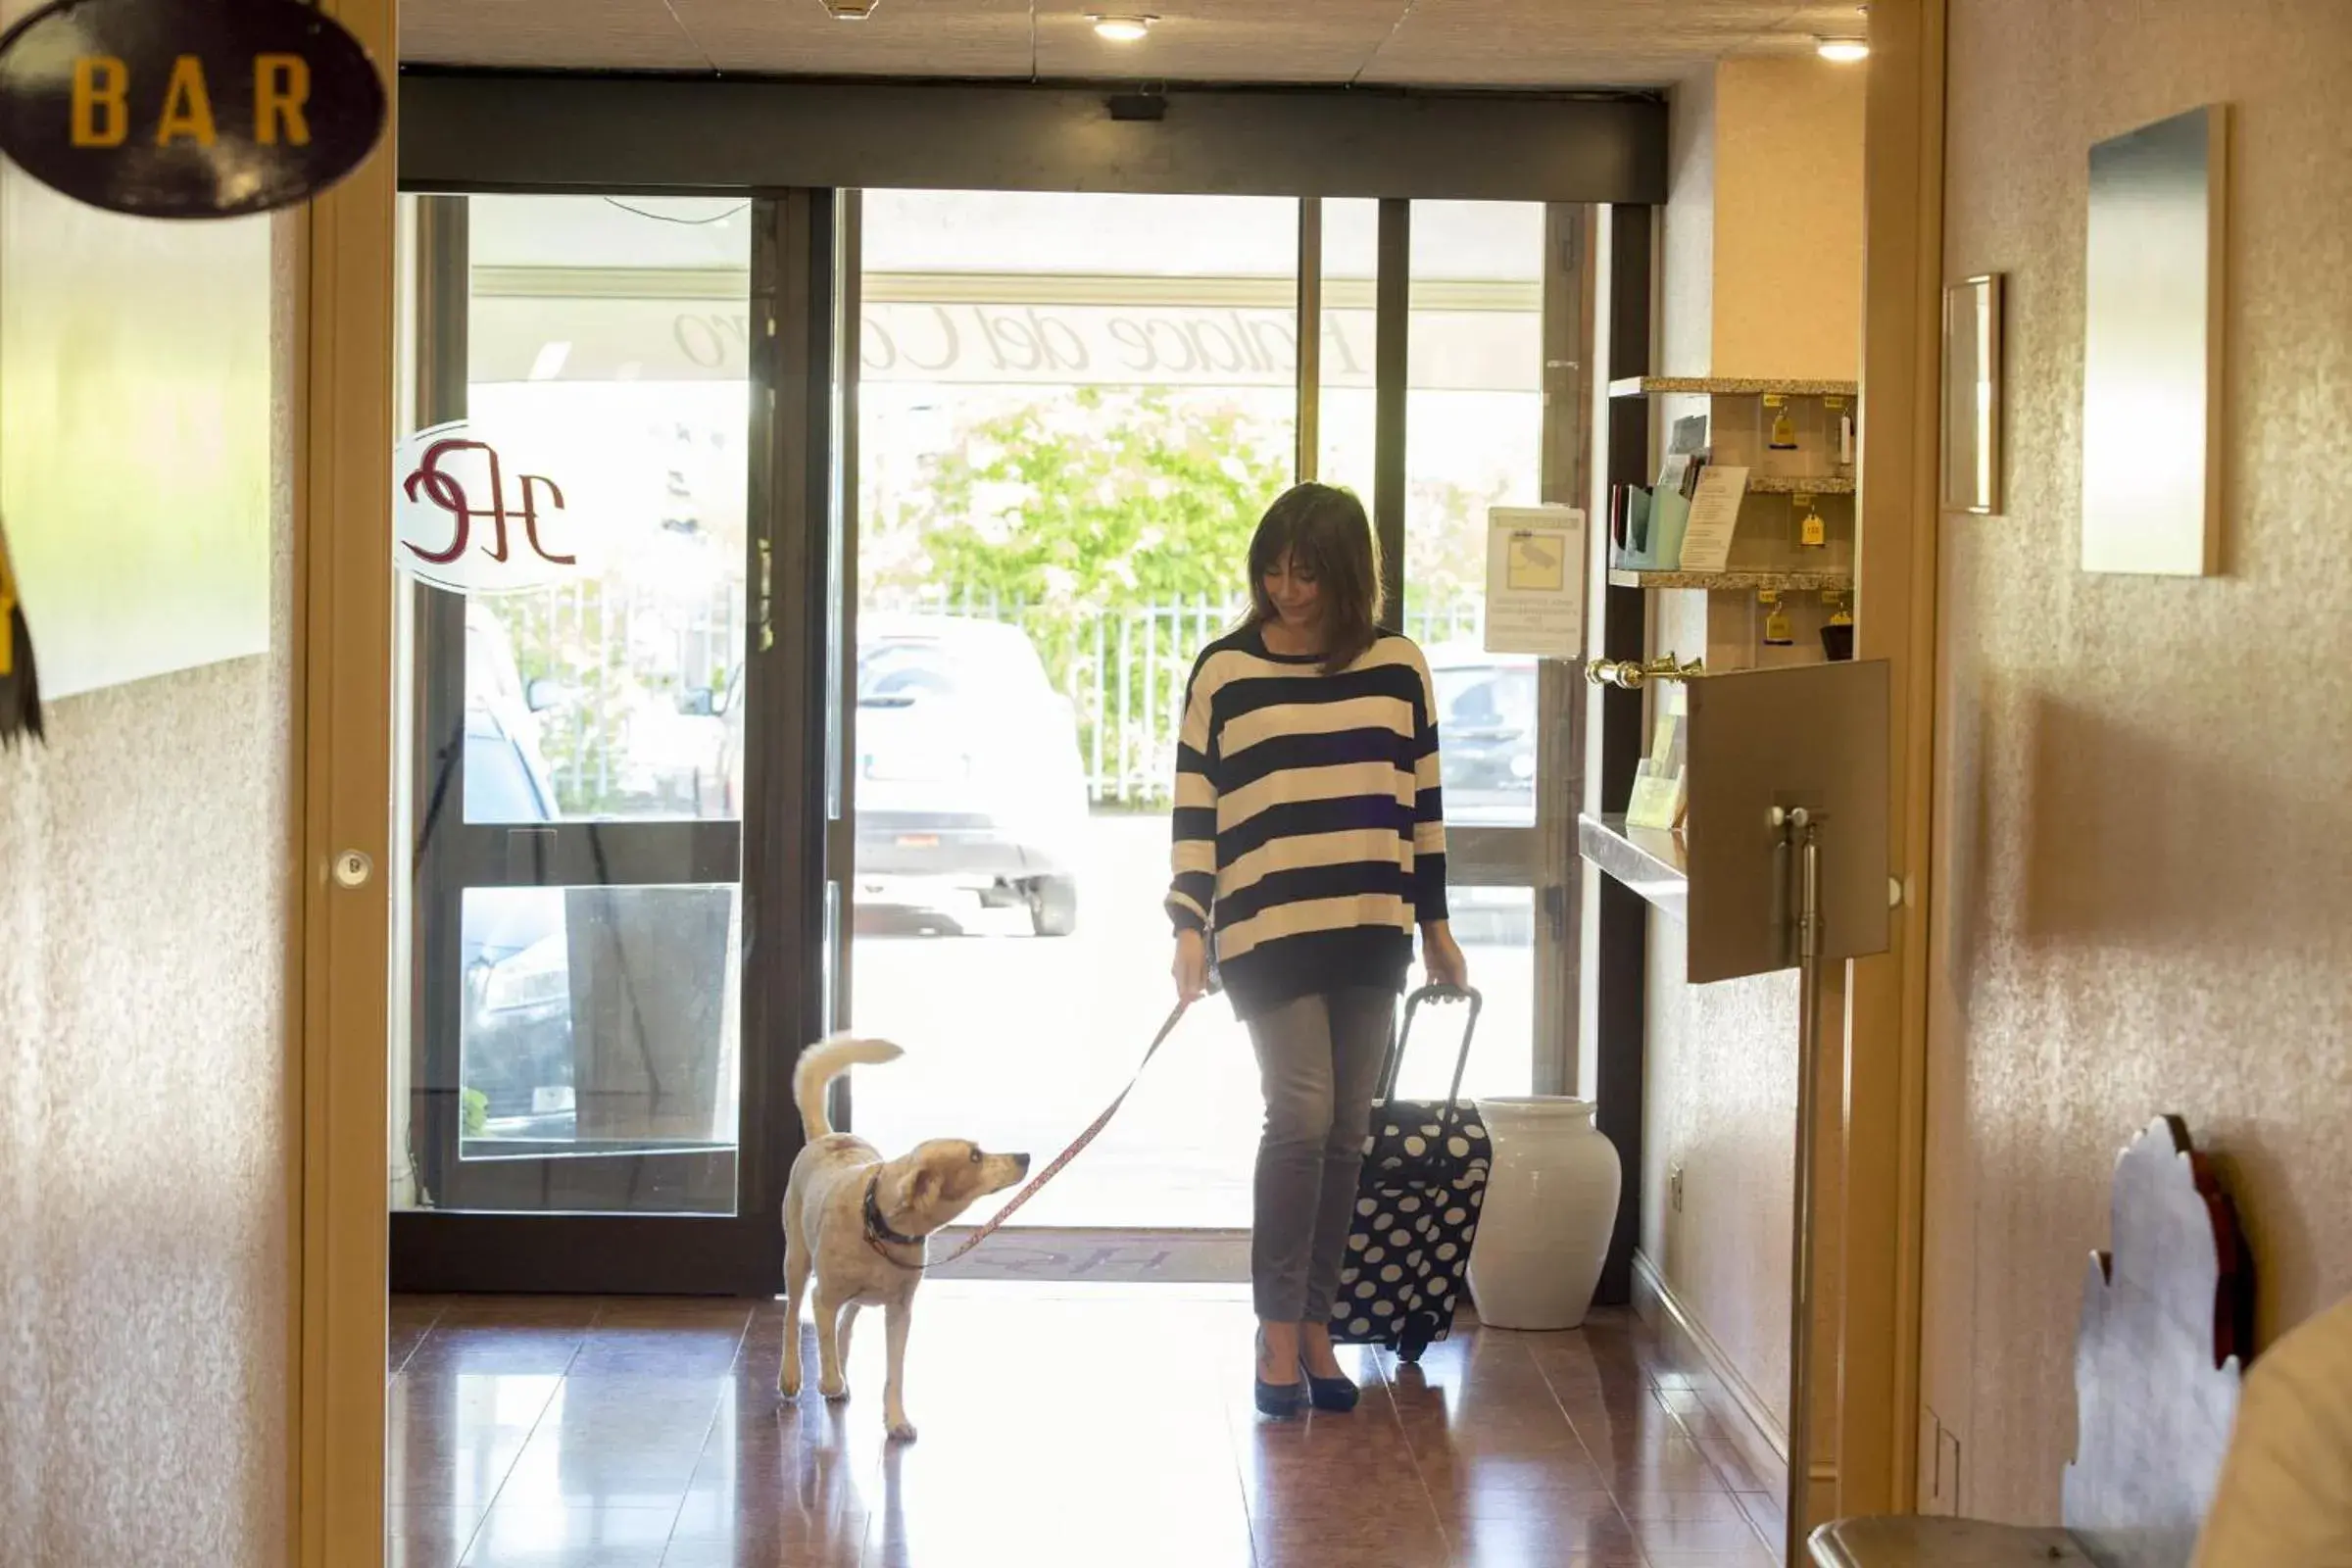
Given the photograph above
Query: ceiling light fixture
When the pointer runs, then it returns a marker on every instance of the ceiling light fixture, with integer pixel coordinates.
(1845, 51)
(1122, 30)
(850, 10)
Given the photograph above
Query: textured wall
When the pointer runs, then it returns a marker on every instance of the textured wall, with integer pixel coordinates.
(144, 1114)
(2144, 866)
(1787, 217)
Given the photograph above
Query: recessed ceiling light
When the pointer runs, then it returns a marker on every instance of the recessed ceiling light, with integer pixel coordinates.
(1122, 30)
(1845, 51)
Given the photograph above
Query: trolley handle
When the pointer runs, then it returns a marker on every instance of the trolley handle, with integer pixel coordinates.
(1461, 1062)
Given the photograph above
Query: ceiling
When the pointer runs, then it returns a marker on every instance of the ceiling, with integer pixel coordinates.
(1449, 43)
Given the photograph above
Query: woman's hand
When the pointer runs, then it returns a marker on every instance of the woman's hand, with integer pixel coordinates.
(1191, 968)
(1441, 956)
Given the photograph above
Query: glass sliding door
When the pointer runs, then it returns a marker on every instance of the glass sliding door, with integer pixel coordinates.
(1482, 432)
(584, 711)
(1072, 410)
(801, 592)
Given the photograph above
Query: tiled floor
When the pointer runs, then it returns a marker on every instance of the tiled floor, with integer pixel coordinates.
(1062, 1425)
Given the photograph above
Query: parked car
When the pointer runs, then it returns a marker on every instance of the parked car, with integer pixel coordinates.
(1486, 724)
(1486, 721)
(514, 955)
(968, 772)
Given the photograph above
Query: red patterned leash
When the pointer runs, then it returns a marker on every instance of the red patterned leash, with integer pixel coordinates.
(1077, 1147)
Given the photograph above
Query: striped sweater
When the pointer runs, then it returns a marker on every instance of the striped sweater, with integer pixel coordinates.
(1309, 832)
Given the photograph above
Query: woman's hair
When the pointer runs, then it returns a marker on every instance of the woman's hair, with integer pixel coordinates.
(1324, 530)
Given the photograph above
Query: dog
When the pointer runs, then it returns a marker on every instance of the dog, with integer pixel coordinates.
(858, 1224)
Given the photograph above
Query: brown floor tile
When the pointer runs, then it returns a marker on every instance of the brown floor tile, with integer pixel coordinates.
(1663, 1535)
(1768, 1512)
(1606, 1428)
(747, 1553)
(1657, 1466)
(428, 1537)
(488, 1350)
(1741, 1472)
(1645, 1502)
(416, 1551)
(701, 1350)
(1528, 1543)
(409, 1322)
(647, 1434)
(1569, 1512)
(1336, 1543)
(451, 1441)
(675, 1312)
(564, 1537)
(517, 1311)
(1455, 1475)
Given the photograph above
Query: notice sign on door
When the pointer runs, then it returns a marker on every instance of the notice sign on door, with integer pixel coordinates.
(1536, 582)
(187, 108)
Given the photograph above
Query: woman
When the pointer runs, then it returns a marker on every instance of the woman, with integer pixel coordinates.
(1309, 839)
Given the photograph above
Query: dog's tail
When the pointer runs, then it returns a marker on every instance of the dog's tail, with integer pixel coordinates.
(825, 1061)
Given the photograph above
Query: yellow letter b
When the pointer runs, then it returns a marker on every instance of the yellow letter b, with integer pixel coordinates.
(101, 115)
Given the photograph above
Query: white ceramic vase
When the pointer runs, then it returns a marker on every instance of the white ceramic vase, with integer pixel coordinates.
(1550, 1206)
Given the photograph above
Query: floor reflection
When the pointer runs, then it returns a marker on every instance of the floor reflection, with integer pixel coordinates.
(1062, 1425)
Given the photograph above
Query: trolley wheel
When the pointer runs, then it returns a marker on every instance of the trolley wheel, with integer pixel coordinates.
(1411, 1343)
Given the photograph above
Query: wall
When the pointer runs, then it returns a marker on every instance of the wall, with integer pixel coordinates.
(144, 1084)
(2144, 857)
(1788, 183)
(1686, 231)
(1760, 275)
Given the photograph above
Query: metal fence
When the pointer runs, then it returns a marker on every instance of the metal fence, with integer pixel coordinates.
(633, 665)
(1124, 670)
(624, 669)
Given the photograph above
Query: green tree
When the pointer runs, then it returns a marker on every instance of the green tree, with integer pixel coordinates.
(1103, 499)
(1113, 524)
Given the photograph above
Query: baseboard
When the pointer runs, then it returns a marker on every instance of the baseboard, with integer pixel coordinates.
(1743, 1412)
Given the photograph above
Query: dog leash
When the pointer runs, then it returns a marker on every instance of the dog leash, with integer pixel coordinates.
(1038, 1181)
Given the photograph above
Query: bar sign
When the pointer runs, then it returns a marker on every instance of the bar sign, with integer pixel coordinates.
(187, 108)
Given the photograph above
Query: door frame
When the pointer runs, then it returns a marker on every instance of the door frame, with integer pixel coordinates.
(341, 379)
(341, 373)
(1882, 1120)
(780, 865)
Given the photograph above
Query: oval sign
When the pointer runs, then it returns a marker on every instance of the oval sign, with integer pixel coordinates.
(489, 512)
(187, 108)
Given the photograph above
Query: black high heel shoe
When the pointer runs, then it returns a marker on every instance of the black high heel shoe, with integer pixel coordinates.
(1281, 1400)
(1337, 1395)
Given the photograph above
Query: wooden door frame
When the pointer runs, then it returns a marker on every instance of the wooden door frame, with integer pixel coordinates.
(341, 403)
(1882, 1120)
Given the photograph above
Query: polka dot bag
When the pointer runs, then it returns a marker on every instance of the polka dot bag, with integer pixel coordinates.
(1416, 1205)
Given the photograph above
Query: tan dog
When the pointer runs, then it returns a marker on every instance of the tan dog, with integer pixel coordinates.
(858, 1224)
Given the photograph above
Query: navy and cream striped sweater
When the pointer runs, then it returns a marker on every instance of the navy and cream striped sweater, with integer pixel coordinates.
(1309, 831)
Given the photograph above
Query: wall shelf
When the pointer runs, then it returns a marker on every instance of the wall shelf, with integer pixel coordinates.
(1729, 386)
(1650, 862)
(1773, 484)
(1785, 582)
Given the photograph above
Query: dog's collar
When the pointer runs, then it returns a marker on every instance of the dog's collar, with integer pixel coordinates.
(877, 1229)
